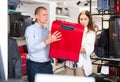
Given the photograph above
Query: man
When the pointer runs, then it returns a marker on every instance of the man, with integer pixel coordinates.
(38, 39)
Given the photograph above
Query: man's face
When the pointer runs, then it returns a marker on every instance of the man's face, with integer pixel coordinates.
(42, 16)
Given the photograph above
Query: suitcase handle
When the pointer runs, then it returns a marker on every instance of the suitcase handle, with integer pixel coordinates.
(67, 27)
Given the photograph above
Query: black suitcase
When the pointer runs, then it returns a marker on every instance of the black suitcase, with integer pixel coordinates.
(18, 24)
(15, 25)
(114, 35)
(26, 21)
(102, 44)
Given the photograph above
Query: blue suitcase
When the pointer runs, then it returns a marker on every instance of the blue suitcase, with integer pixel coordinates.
(103, 5)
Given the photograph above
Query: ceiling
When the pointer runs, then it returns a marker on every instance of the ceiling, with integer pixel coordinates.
(70, 0)
(63, 0)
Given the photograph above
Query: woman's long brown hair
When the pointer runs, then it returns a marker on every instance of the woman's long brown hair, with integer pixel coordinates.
(90, 24)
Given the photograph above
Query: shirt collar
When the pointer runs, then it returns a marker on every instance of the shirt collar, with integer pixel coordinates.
(40, 26)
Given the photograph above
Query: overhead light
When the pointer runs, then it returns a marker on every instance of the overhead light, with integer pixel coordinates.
(86, 4)
(78, 3)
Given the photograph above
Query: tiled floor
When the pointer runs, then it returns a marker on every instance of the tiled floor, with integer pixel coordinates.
(24, 78)
(60, 71)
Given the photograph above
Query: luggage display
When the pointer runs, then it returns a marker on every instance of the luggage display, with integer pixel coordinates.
(68, 47)
(113, 6)
(114, 42)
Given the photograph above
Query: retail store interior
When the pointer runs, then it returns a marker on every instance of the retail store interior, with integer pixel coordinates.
(106, 18)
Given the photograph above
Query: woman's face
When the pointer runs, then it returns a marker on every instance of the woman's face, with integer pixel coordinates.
(84, 20)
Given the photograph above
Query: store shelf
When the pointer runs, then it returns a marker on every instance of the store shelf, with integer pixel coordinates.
(61, 16)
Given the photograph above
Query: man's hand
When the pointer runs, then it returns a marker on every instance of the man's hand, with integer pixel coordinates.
(54, 37)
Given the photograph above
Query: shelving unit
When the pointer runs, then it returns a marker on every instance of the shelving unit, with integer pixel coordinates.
(105, 18)
(62, 13)
(61, 16)
(115, 61)
(103, 14)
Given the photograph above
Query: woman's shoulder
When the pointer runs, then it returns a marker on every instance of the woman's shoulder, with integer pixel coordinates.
(92, 33)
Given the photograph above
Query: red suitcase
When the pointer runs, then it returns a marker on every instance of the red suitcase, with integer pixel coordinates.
(116, 6)
(23, 57)
(68, 47)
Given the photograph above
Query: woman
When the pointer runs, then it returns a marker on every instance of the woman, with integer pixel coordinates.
(84, 65)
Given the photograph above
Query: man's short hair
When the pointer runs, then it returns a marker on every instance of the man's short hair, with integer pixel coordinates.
(38, 9)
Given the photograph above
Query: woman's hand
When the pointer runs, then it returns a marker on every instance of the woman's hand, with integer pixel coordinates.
(83, 50)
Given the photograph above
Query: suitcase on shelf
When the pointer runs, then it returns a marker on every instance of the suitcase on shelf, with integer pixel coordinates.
(68, 47)
(15, 25)
(116, 6)
(102, 44)
(23, 57)
(114, 35)
(26, 21)
(111, 6)
(102, 5)
(18, 24)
